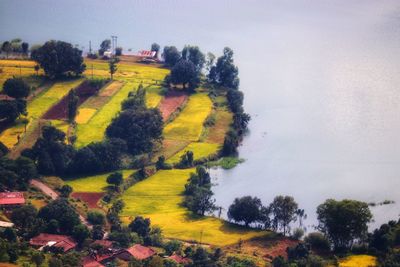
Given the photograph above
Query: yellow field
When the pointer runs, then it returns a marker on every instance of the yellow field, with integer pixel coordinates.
(159, 198)
(153, 97)
(84, 115)
(189, 123)
(358, 261)
(61, 125)
(17, 63)
(95, 183)
(200, 151)
(216, 133)
(9, 137)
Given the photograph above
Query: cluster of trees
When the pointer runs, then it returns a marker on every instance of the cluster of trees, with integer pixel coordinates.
(53, 156)
(15, 46)
(58, 58)
(140, 127)
(11, 109)
(278, 215)
(198, 195)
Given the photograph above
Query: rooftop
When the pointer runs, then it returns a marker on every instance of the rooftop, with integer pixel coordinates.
(60, 241)
(12, 198)
(140, 252)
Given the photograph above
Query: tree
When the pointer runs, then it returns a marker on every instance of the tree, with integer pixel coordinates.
(37, 257)
(118, 51)
(283, 209)
(37, 68)
(201, 201)
(61, 211)
(26, 219)
(115, 179)
(97, 232)
(225, 73)
(139, 128)
(184, 72)
(66, 190)
(141, 226)
(317, 241)
(58, 58)
(25, 47)
(6, 48)
(135, 99)
(104, 46)
(245, 209)
(16, 88)
(193, 54)
(187, 159)
(231, 143)
(112, 66)
(156, 261)
(156, 48)
(10, 110)
(235, 100)
(80, 233)
(171, 55)
(210, 61)
(73, 101)
(344, 221)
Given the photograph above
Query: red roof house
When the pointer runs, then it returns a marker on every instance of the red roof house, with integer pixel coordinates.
(137, 251)
(179, 259)
(51, 240)
(88, 261)
(146, 53)
(12, 198)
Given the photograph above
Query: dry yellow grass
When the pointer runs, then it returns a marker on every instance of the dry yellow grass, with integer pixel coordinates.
(358, 261)
(200, 151)
(84, 115)
(9, 137)
(159, 198)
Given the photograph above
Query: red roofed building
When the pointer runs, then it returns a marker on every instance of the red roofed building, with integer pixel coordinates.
(179, 259)
(88, 261)
(51, 240)
(146, 53)
(12, 198)
(137, 251)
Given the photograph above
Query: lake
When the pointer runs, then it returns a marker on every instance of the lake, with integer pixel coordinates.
(321, 82)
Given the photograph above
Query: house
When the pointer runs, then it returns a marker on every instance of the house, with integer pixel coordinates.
(66, 243)
(8, 199)
(137, 251)
(88, 261)
(147, 56)
(179, 259)
(4, 224)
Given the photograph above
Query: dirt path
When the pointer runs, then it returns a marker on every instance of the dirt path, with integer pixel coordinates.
(53, 194)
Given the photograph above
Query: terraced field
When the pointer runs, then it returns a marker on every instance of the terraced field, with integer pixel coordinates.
(159, 198)
(358, 261)
(189, 123)
(95, 183)
(200, 151)
(19, 68)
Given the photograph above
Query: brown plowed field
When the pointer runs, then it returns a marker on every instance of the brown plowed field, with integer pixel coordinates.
(171, 102)
(91, 198)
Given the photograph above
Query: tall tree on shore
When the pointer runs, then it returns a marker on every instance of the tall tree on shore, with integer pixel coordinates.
(225, 73)
(112, 65)
(193, 54)
(284, 211)
(171, 55)
(184, 72)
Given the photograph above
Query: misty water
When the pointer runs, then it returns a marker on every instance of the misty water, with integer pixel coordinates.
(321, 82)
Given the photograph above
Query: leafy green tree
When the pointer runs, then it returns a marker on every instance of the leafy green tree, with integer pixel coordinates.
(172, 246)
(283, 210)
(231, 142)
(10, 110)
(9, 234)
(26, 219)
(225, 73)
(344, 221)
(16, 88)
(37, 258)
(80, 233)
(187, 159)
(57, 58)
(171, 55)
(104, 46)
(201, 201)
(184, 72)
(386, 237)
(317, 241)
(25, 47)
(112, 67)
(97, 232)
(246, 209)
(135, 99)
(140, 128)
(66, 190)
(73, 101)
(115, 179)
(118, 51)
(156, 261)
(61, 211)
(55, 262)
(6, 48)
(141, 226)
(235, 100)
(193, 54)
(156, 48)
(96, 217)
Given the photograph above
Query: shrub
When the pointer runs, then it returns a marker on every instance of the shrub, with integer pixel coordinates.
(317, 241)
(96, 217)
(298, 233)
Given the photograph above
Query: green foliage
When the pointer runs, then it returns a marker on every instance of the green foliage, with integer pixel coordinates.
(66, 190)
(386, 237)
(26, 219)
(104, 46)
(141, 226)
(245, 209)
(184, 72)
(283, 209)
(16, 88)
(57, 58)
(124, 237)
(225, 73)
(73, 100)
(80, 232)
(171, 55)
(161, 164)
(317, 241)
(15, 174)
(193, 54)
(115, 178)
(297, 233)
(112, 67)
(140, 128)
(118, 51)
(231, 142)
(37, 257)
(10, 110)
(344, 221)
(96, 217)
(186, 159)
(135, 99)
(236, 262)
(173, 246)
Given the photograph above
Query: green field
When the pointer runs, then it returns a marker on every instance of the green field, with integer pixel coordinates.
(189, 123)
(159, 198)
(200, 151)
(153, 96)
(95, 183)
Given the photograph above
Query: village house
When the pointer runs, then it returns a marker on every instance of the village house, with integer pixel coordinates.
(66, 243)
(147, 56)
(179, 259)
(11, 199)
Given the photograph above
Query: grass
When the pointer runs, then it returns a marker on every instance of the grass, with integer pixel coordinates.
(189, 123)
(84, 115)
(200, 151)
(159, 198)
(9, 137)
(61, 125)
(153, 96)
(226, 162)
(217, 132)
(95, 183)
(358, 261)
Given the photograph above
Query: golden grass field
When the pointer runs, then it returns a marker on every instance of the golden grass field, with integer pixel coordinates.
(358, 261)
(84, 115)
(153, 96)
(95, 183)
(216, 133)
(200, 151)
(159, 198)
(189, 123)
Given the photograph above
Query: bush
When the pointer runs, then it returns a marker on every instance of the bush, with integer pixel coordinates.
(317, 241)
(96, 217)
(298, 233)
